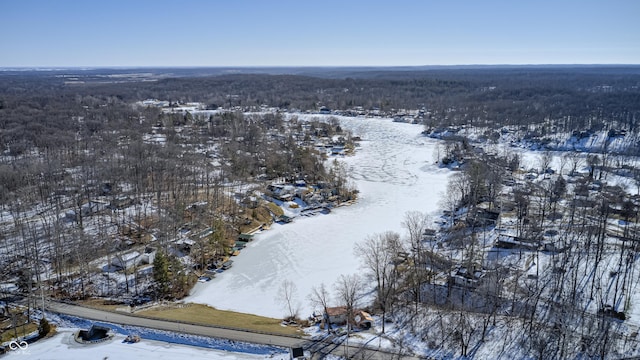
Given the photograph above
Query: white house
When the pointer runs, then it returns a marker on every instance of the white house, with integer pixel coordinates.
(148, 256)
(134, 258)
(126, 260)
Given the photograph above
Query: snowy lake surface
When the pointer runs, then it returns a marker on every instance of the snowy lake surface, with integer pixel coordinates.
(394, 169)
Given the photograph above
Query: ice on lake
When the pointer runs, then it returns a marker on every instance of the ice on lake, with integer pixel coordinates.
(394, 171)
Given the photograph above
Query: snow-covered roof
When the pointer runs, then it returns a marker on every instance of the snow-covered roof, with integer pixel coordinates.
(129, 256)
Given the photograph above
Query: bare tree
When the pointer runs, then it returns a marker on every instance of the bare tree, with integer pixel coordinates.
(416, 222)
(287, 294)
(564, 159)
(465, 329)
(349, 291)
(545, 161)
(319, 296)
(377, 254)
(457, 191)
(575, 160)
(593, 161)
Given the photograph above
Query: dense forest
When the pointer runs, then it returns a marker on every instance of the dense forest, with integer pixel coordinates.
(571, 98)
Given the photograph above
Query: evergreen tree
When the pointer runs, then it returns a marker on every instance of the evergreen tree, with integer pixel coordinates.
(161, 273)
(44, 327)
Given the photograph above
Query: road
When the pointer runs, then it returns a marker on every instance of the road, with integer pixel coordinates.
(318, 348)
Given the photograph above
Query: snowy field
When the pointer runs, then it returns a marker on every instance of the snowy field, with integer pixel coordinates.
(395, 173)
(63, 347)
(156, 344)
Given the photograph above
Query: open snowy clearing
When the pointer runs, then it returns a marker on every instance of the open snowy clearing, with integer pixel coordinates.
(395, 173)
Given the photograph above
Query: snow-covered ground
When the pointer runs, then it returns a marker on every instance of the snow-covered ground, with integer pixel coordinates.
(395, 173)
(156, 344)
(63, 347)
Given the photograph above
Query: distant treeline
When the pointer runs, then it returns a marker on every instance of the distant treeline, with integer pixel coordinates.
(37, 108)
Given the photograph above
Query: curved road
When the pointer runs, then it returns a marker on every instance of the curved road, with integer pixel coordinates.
(318, 348)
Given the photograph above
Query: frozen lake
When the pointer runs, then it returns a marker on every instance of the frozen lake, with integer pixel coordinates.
(395, 173)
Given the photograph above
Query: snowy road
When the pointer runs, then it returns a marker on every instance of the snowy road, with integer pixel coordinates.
(394, 171)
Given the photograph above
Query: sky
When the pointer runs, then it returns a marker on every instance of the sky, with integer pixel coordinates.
(72, 33)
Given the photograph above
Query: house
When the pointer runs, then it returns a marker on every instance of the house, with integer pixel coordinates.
(281, 192)
(204, 233)
(92, 207)
(184, 245)
(484, 217)
(468, 277)
(126, 260)
(86, 210)
(245, 237)
(514, 242)
(338, 316)
(363, 320)
(148, 256)
(121, 202)
(134, 258)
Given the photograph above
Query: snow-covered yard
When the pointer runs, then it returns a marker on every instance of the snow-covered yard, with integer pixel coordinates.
(63, 347)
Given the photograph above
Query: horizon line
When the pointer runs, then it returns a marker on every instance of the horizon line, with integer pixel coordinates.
(89, 67)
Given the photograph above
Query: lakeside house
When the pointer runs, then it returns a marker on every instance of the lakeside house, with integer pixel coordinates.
(245, 237)
(338, 316)
(227, 265)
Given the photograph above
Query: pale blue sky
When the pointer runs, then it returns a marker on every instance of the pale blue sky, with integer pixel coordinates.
(317, 33)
